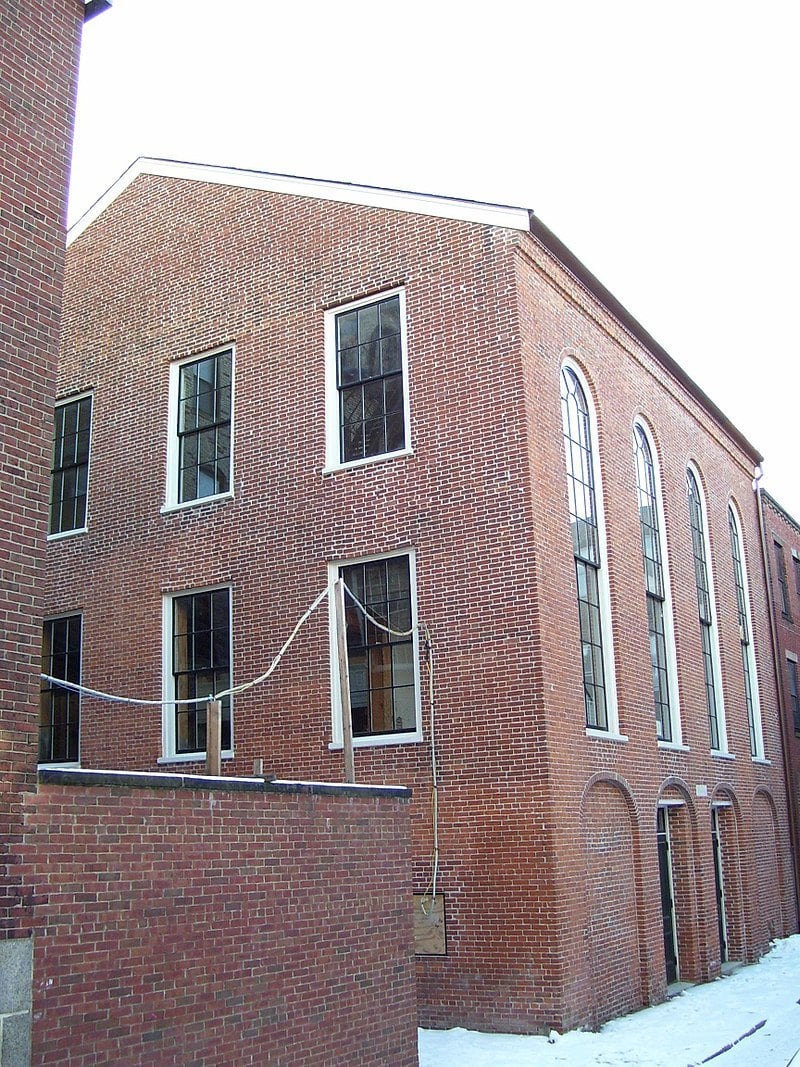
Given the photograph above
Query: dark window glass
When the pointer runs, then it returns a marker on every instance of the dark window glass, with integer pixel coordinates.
(783, 583)
(653, 579)
(794, 693)
(382, 677)
(744, 628)
(370, 381)
(703, 586)
(59, 708)
(585, 543)
(200, 664)
(204, 427)
(796, 565)
(69, 476)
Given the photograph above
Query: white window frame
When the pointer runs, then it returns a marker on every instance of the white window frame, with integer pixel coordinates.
(667, 606)
(411, 736)
(603, 583)
(333, 460)
(168, 744)
(716, 664)
(78, 529)
(751, 653)
(171, 502)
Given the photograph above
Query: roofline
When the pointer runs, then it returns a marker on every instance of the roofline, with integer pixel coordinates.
(780, 509)
(515, 218)
(610, 302)
(474, 211)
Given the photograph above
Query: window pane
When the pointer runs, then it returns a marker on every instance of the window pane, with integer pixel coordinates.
(702, 583)
(381, 667)
(348, 366)
(204, 427)
(201, 663)
(374, 437)
(369, 356)
(70, 471)
(368, 324)
(59, 708)
(390, 354)
(347, 326)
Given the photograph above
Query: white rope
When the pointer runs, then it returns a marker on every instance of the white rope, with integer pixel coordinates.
(115, 699)
(84, 690)
(432, 884)
(263, 677)
(431, 888)
(374, 621)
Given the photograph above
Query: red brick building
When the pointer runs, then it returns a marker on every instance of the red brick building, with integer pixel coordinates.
(269, 382)
(782, 537)
(38, 72)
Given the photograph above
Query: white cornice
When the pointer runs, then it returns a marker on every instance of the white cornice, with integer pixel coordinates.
(514, 218)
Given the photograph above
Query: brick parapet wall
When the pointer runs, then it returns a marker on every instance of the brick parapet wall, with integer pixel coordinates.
(185, 920)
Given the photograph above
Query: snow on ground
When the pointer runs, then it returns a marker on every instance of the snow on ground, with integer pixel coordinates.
(683, 1032)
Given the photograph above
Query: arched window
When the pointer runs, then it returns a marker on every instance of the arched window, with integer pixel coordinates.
(587, 544)
(706, 611)
(659, 613)
(745, 637)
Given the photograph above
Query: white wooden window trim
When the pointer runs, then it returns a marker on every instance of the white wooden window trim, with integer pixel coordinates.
(410, 737)
(333, 461)
(78, 529)
(171, 502)
(751, 655)
(612, 707)
(168, 746)
(715, 658)
(669, 616)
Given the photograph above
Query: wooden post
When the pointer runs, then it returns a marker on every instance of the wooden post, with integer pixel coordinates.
(213, 737)
(344, 682)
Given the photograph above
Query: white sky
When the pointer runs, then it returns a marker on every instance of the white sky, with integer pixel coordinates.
(659, 142)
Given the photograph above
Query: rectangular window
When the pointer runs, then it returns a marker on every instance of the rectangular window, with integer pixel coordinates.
(783, 582)
(199, 666)
(201, 417)
(69, 476)
(367, 380)
(794, 693)
(796, 565)
(384, 682)
(60, 708)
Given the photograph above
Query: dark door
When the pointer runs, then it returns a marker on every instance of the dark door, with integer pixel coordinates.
(721, 924)
(667, 906)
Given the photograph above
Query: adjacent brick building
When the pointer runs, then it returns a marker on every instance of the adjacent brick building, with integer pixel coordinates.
(38, 72)
(81, 934)
(268, 382)
(782, 537)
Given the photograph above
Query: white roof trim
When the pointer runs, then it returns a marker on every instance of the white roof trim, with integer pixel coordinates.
(514, 218)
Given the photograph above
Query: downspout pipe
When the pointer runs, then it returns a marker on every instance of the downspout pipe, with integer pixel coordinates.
(776, 658)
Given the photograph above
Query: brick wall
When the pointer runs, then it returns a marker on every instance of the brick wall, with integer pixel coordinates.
(38, 70)
(185, 922)
(175, 268)
(782, 528)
